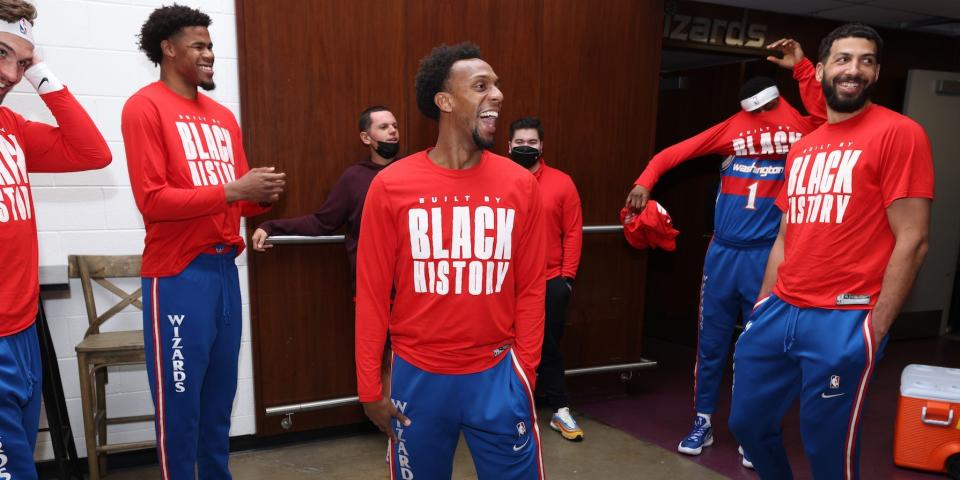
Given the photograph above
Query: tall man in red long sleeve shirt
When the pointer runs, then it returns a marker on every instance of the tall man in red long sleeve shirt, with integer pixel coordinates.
(29, 147)
(458, 231)
(191, 183)
(563, 223)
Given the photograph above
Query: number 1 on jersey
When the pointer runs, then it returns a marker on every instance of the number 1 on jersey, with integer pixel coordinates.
(752, 198)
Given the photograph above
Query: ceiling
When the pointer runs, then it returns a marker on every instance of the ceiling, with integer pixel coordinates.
(933, 16)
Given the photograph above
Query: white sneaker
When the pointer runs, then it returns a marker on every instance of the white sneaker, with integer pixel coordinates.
(744, 460)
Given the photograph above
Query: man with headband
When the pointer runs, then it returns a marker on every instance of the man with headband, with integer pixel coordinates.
(755, 142)
(29, 147)
(191, 182)
(458, 231)
(564, 239)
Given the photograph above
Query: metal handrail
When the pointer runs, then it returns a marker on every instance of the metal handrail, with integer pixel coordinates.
(343, 401)
(307, 240)
(289, 410)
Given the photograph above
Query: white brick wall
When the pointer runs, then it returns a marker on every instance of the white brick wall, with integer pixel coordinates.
(91, 45)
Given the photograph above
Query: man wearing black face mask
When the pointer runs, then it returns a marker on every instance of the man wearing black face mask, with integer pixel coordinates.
(564, 232)
(379, 131)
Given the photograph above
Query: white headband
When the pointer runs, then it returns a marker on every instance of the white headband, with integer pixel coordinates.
(760, 99)
(21, 28)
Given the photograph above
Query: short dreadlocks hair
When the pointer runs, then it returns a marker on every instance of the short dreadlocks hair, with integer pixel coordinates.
(13, 10)
(166, 22)
(435, 69)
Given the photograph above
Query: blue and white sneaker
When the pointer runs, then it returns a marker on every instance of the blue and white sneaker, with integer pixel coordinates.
(744, 460)
(701, 436)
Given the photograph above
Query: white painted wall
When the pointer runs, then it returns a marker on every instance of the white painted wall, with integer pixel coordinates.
(91, 45)
(937, 113)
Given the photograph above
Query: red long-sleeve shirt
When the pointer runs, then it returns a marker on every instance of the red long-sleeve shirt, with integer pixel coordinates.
(464, 249)
(563, 221)
(180, 154)
(26, 147)
(726, 138)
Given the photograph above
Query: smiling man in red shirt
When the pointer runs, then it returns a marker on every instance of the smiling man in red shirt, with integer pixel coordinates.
(29, 147)
(458, 231)
(853, 233)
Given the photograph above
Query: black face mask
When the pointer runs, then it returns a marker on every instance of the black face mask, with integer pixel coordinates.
(525, 155)
(388, 150)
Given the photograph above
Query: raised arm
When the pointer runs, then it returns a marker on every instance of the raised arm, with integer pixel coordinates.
(709, 141)
(804, 73)
(76, 144)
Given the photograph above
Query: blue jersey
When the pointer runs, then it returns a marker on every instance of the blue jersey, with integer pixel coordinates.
(756, 146)
(746, 213)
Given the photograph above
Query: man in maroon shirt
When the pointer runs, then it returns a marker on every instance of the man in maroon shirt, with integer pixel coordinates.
(564, 238)
(379, 131)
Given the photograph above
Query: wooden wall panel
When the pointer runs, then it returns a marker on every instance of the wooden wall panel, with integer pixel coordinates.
(598, 93)
(307, 71)
(508, 34)
(587, 69)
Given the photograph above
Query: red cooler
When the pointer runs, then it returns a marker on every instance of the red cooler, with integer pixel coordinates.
(927, 433)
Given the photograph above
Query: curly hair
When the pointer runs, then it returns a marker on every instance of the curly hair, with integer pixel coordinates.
(14, 10)
(434, 71)
(166, 22)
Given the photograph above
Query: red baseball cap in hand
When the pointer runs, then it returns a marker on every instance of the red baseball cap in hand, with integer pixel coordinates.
(651, 228)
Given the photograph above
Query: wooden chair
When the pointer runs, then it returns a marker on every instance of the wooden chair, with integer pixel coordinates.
(100, 350)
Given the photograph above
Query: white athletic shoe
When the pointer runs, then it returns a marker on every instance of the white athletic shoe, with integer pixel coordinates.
(700, 436)
(744, 460)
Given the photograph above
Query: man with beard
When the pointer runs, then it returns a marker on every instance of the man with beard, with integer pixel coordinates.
(853, 233)
(29, 147)
(380, 132)
(459, 231)
(564, 238)
(191, 182)
(755, 142)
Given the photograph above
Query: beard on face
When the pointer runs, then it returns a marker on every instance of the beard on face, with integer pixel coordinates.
(841, 104)
(208, 85)
(480, 142)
